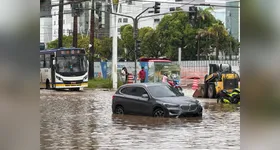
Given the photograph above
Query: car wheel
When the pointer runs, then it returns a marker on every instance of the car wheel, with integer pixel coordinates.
(119, 110)
(198, 115)
(159, 113)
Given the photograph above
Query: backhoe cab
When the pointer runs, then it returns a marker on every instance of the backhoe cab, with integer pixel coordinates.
(219, 77)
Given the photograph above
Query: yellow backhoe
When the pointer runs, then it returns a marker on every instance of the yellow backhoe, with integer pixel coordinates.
(219, 77)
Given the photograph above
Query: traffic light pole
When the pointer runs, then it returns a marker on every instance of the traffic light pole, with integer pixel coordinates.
(135, 24)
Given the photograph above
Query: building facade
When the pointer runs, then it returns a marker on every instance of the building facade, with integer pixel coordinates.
(49, 20)
(136, 7)
(233, 19)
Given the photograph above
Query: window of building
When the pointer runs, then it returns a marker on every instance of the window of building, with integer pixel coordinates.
(125, 20)
(64, 21)
(156, 20)
(120, 20)
(55, 32)
(54, 22)
(119, 29)
(63, 30)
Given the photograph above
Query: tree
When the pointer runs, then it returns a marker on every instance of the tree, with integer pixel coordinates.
(105, 49)
(128, 40)
(205, 18)
(219, 33)
(171, 33)
(83, 42)
(150, 46)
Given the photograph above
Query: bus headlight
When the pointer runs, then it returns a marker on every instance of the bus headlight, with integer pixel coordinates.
(59, 78)
(85, 77)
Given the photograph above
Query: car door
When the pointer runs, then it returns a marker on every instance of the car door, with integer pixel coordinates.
(129, 99)
(142, 105)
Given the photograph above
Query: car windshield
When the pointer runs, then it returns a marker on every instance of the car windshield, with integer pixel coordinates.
(164, 91)
(74, 63)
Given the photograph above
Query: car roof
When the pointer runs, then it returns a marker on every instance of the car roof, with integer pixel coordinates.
(143, 85)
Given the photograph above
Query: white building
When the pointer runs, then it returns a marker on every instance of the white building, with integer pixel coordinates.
(45, 30)
(137, 7)
(83, 21)
(49, 26)
(67, 20)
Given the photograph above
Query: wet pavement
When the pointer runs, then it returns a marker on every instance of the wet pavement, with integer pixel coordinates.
(83, 120)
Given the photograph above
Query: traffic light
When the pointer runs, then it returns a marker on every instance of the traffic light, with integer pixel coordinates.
(138, 45)
(192, 13)
(157, 7)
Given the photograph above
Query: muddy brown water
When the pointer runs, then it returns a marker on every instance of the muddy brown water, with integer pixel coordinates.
(84, 121)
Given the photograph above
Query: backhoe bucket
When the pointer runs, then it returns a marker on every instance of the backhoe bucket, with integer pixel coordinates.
(198, 92)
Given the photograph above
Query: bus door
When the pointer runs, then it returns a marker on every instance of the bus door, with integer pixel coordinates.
(53, 71)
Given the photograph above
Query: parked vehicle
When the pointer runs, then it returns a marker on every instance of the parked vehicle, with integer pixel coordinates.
(175, 83)
(154, 99)
(229, 97)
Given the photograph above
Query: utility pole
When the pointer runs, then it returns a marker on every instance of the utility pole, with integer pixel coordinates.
(91, 42)
(115, 46)
(60, 23)
(230, 50)
(179, 55)
(75, 30)
(75, 25)
(135, 35)
(198, 47)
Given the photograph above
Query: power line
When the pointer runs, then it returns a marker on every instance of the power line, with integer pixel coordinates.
(67, 3)
(194, 4)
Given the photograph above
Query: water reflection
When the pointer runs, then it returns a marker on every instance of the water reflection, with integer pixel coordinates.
(140, 122)
(66, 122)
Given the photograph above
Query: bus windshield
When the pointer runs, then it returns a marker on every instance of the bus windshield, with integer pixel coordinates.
(71, 64)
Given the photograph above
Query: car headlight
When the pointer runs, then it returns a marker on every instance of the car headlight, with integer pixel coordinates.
(168, 105)
(197, 102)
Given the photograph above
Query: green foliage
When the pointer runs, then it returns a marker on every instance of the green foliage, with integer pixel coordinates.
(172, 32)
(102, 83)
(102, 47)
(127, 39)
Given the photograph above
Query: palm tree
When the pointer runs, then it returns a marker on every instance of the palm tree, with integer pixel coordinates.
(205, 17)
(218, 32)
(200, 34)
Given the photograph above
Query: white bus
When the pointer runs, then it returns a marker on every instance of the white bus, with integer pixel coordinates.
(64, 68)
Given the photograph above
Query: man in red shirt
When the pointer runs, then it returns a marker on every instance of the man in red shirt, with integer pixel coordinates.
(142, 75)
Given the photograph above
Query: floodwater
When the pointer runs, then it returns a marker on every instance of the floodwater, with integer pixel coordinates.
(84, 121)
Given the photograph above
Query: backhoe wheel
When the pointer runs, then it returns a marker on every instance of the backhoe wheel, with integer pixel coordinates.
(205, 90)
(211, 91)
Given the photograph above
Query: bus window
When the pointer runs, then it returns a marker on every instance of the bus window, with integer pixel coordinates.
(42, 61)
(48, 60)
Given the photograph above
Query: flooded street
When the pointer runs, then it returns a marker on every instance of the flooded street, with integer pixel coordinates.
(84, 120)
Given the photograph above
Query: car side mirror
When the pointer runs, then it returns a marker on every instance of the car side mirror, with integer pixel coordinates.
(145, 96)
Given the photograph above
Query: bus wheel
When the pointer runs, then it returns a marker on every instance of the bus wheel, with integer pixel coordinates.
(75, 89)
(47, 84)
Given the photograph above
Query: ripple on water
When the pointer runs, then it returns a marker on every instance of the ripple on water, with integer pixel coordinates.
(84, 120)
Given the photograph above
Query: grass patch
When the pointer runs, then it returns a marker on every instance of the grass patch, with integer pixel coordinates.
(102, 83)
